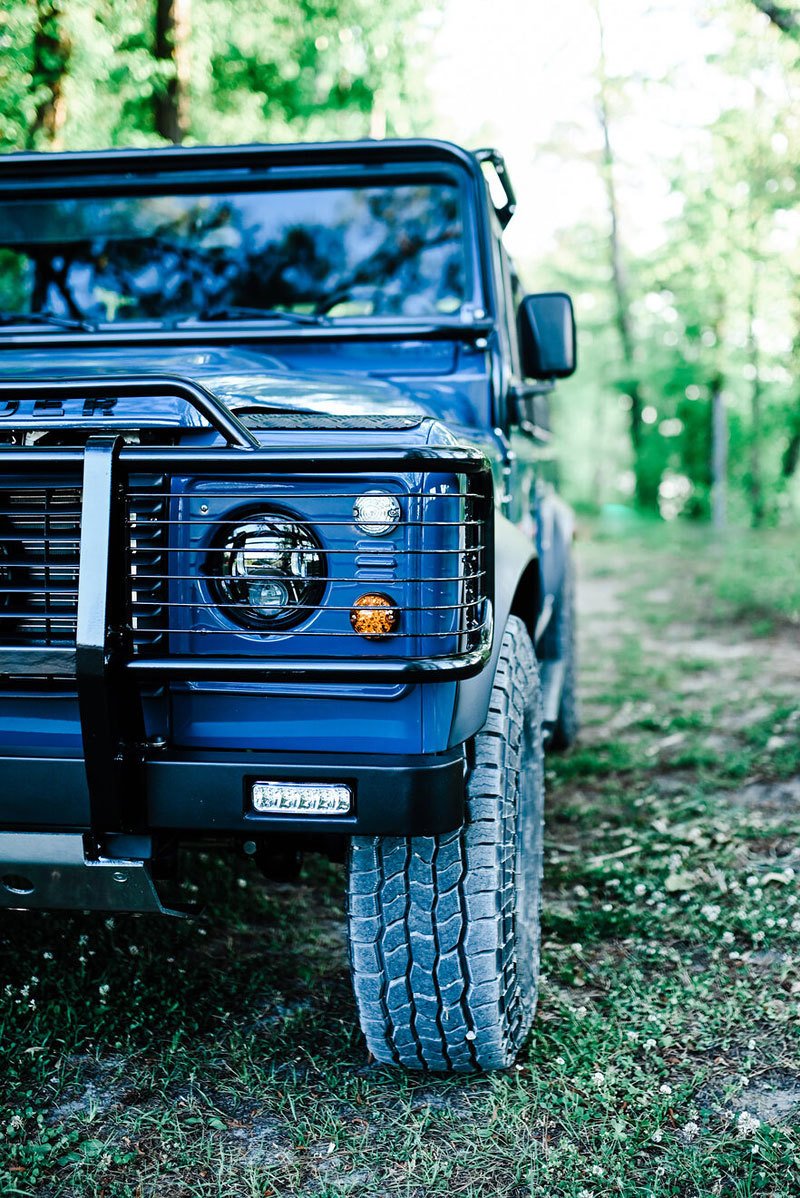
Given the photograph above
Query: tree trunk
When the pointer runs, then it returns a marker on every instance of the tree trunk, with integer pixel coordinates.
(52, 51)
(719, 455)
(619, 279)
(171, 99)
(756, 488)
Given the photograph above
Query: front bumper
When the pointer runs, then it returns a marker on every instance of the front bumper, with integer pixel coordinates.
(196, 793)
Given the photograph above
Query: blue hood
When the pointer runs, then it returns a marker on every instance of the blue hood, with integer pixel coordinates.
(242, 379)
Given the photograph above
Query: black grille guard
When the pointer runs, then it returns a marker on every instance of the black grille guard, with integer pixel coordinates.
(105, 672)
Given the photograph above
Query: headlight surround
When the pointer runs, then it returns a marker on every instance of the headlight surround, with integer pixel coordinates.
(270, 574)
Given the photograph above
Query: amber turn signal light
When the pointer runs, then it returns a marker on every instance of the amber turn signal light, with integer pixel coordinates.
(374, 616)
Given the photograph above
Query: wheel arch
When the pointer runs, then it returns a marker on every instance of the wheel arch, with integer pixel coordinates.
(518, 592)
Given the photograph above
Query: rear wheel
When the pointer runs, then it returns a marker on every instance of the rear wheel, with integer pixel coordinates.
(444, 930)
(567, 725)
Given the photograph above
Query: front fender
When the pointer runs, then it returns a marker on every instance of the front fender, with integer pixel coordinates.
(516, 588)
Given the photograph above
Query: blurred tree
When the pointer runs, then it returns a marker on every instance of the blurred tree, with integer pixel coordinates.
(787, 19)
(622, 302)
(52, 50)
(171, 96)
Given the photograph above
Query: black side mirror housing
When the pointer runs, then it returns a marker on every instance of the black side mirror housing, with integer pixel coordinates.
(547, 338)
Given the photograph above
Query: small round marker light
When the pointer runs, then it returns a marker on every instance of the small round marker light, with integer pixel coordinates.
(374, 616)
(376, 513)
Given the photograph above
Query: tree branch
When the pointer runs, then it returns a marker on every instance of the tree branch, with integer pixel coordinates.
(786, 19)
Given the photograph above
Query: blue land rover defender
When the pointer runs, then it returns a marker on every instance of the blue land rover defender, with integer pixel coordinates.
(282, 562)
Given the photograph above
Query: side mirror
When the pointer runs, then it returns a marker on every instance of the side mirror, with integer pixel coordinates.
(547, 336)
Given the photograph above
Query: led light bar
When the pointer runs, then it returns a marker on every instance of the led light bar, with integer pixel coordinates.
(300, 798)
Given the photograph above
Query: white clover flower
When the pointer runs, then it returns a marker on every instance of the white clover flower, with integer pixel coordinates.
(747, 1125)
(649, 1045)
(596, 1170)
(47, 956)
(104, 989)
(560, 1061)
(16, 1123)
(598, 1078)
(664, 1088)
(639, 889)
(691, 1130)
(728, 938)
(711, 912)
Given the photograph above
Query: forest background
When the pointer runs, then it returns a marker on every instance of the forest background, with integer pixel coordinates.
(655, 152)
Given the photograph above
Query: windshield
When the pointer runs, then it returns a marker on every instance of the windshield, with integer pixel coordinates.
(341, 251)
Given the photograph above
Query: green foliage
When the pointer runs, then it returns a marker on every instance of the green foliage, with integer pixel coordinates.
(290, 69)
(714, 305)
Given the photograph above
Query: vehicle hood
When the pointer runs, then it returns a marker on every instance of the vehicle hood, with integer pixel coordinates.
(246, 381)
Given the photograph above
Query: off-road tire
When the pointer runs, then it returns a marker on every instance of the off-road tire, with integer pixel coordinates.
(444, 930)
(568, 722)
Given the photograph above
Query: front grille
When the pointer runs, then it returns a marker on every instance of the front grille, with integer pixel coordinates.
(40, 529)
(39, 549)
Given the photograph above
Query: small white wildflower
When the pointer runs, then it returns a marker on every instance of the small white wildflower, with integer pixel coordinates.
(711, 912)
(16, 1123)
(658, 1136)
(691, 1130)
(639, 889)
(104, 989)
(241, 883)
(596, 1170)
(83, 939)
(110, 921)
(649, 1045)
(664, 1088)
(728, 938)
(585, 1194)
(106, 1160)
(560, 1062)
(747, 1125)
(607, 907)
(133, 949)
(32, 1004)
(47, 956)
(580, 891)
(598, 1078)
(577, 948)
(581, 1013)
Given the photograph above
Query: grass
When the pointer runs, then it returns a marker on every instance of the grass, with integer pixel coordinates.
(220, 1057)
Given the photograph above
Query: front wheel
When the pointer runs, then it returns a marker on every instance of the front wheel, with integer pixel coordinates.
(444, 930)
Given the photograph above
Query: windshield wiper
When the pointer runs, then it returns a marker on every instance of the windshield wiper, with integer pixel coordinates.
(61, 322)
(237, 313)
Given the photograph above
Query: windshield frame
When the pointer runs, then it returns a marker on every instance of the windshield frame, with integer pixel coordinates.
(244, 176)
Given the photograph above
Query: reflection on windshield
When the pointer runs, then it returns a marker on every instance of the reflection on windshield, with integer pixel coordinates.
(377, 251)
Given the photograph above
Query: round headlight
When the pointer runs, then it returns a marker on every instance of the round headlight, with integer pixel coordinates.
(376, 513)
(270, 573)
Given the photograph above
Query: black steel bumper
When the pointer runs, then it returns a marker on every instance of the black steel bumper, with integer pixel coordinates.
(200, 793)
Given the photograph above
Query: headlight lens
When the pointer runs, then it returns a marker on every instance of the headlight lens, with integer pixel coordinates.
(271, 572)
